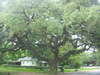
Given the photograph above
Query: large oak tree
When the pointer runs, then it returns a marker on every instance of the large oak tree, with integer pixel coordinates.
(51, 31)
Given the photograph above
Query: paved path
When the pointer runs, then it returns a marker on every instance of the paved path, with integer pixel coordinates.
(97, 72)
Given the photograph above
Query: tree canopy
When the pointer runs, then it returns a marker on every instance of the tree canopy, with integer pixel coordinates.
(51, 31)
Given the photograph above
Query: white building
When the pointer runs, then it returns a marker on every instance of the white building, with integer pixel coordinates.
(27, 61)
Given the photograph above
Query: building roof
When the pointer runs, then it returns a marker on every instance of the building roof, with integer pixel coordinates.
(25, 59)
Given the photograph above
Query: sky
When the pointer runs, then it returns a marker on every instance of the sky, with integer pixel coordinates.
(99, 1)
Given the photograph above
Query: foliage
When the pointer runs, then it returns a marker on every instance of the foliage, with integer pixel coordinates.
(51, 31)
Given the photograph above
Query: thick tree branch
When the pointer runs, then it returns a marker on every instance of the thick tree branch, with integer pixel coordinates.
(69, 53)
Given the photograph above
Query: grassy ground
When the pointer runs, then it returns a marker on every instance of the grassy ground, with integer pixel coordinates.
(83, 69)
(30, 69)
(89, 68)
(18, 69)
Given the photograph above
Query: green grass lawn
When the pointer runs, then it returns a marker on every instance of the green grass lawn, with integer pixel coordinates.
(30, 69)
(18, 69)
(88, 69)
(81, 69)
(69, 70)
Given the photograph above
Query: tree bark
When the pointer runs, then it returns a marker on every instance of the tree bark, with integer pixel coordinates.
(54, 63)
(54, 66)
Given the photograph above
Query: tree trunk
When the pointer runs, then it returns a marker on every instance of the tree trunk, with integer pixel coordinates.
(53, 66)
(54, 63)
